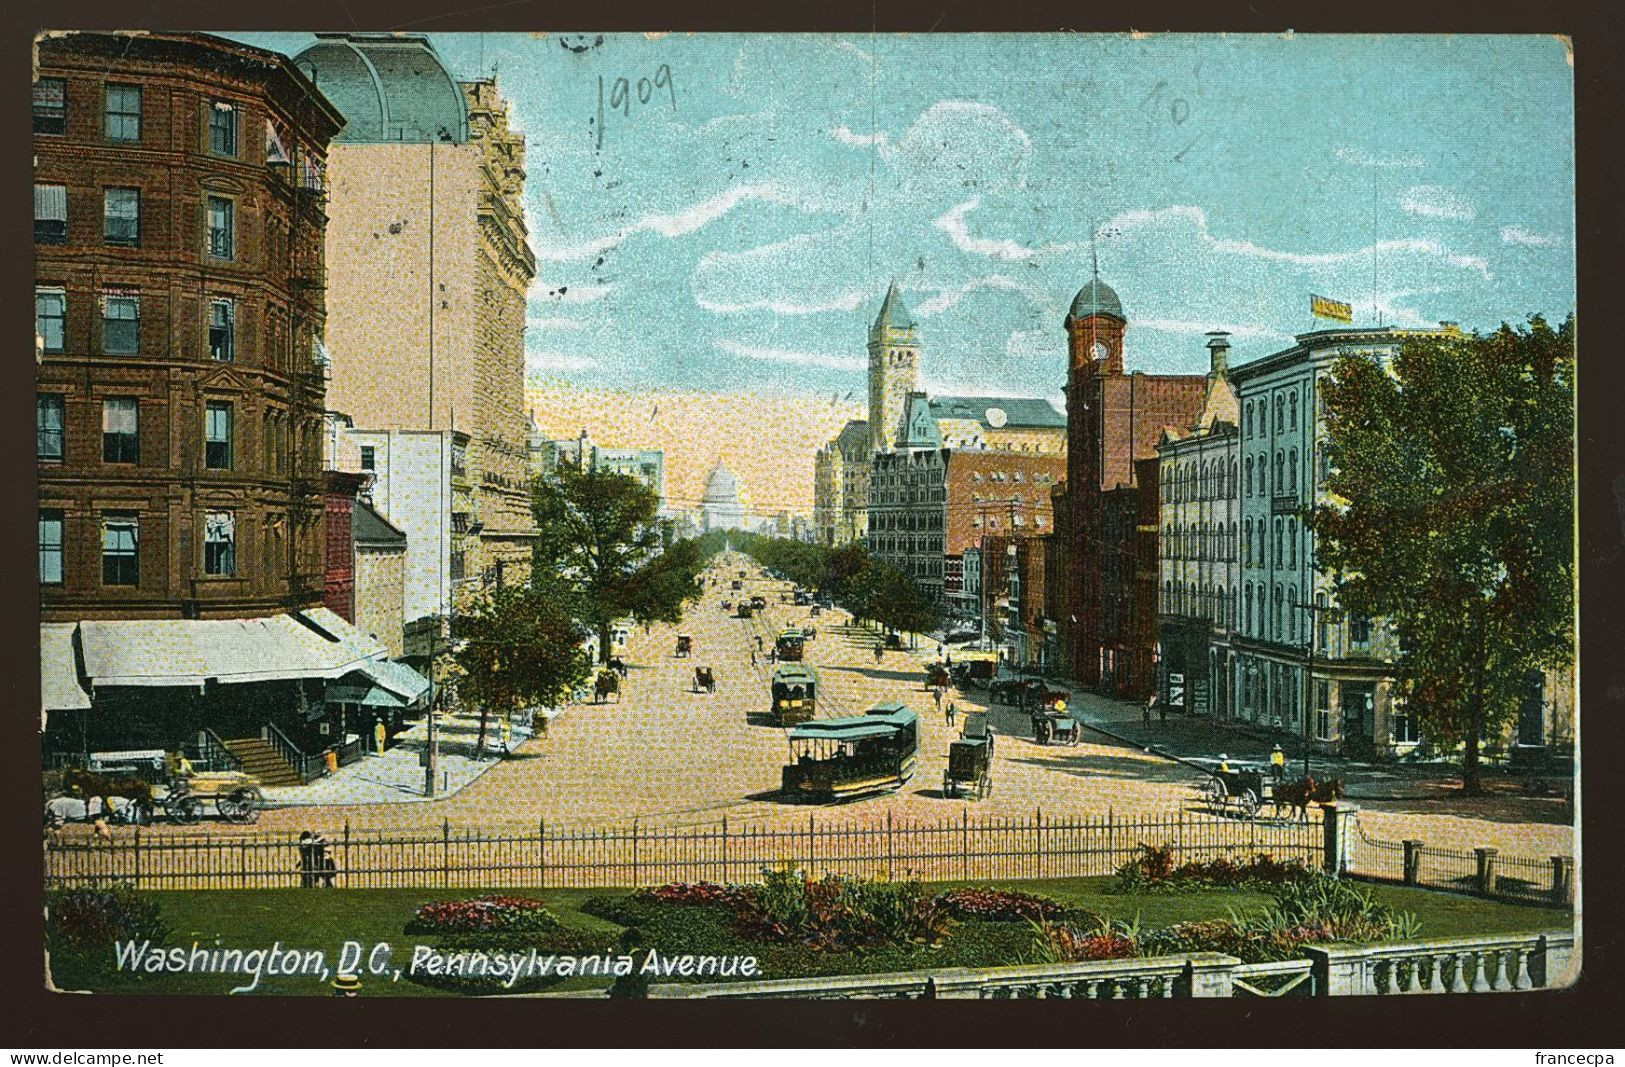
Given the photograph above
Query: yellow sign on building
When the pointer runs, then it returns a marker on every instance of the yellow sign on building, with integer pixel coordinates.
(1331, 309)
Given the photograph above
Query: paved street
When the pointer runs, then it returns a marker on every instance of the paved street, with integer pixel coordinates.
(669, 756)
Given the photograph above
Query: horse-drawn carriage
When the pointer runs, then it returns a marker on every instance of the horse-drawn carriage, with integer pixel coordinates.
(795, 694)
(835, 759)
(970, 760)
(1054, 724)
(685, 646)
(745, 610)
(936, 676)
(1248, 785)
(608, 683)
(758, 603)
(236, 795)
(704, 680)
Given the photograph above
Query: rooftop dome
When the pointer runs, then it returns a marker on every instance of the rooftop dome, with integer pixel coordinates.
(722, 487)
(389, 87)
(1096, 298)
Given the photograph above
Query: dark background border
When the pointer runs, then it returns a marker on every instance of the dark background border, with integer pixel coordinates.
(1587, 1015)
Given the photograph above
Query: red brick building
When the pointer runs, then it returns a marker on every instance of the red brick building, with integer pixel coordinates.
(338, 587)
(1113, 419)
(1129, 521)
(178, 226)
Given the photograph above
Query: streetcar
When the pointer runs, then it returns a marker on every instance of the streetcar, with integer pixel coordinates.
(852, 756)
(791, 645)
(795, 694)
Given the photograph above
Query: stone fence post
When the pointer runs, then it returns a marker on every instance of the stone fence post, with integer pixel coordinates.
(1339, 970)
(1211, 974)
(1413, 862)
(1486, 870)
(1340, 820)
(1563, 881)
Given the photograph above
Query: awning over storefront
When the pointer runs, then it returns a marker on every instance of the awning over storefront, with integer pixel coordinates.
(188, 652)
(60, 689)
(397, 678)
(370, 695)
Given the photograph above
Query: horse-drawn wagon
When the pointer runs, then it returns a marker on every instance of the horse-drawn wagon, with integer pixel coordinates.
(1052, 723)
(236, 796)
(685, 646)
(970, 760)
(704, 680)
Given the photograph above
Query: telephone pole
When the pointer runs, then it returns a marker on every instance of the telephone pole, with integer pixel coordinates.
(1315, 611)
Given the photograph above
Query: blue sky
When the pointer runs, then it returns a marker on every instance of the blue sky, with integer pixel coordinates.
(743, 237)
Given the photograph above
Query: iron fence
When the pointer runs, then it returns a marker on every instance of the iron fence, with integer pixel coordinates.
(1485, 872)
(1036, 846)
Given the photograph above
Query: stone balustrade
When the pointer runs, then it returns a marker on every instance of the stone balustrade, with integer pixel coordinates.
(1457, 965)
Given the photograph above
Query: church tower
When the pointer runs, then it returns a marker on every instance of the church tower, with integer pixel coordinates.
(894, 370)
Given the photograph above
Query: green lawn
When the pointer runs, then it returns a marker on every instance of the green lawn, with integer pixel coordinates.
(321, 919)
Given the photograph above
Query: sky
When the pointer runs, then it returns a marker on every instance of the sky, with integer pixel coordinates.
(738, 230)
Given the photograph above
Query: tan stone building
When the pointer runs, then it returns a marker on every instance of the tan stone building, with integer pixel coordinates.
(429, 266)
(841, 472)
(380, 577)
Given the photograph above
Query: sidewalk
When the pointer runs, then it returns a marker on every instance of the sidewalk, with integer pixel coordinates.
(396, 777)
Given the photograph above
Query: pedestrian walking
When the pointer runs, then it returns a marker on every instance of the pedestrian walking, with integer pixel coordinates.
(753, 657)
(878, 653)
(1278, 763)
(758, 642)
(307, 860)
(1145, 712)
(936, 694)
(952, 712)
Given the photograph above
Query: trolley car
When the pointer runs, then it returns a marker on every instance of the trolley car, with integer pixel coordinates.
(795, 694)
(855, 755)
(791, 645)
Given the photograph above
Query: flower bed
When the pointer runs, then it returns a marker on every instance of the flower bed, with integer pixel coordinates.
(1153, 871)
(483, 915)
(1004, 905)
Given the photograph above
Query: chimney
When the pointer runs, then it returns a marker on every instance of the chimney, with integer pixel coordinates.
(1218, 346)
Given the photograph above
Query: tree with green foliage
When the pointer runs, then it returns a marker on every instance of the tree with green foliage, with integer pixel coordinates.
(602, 551)
(1452, 516)
(515, 648)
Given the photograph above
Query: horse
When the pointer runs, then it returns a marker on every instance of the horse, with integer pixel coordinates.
(1305, 791)
(704, 680)
(618, 665)
(88, 784)
(608, 682)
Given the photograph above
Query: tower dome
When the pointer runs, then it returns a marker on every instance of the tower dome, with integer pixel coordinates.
(722, 487)
(389, 87)
(1095, 298)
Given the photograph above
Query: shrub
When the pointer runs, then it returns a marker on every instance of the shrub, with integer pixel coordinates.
(96, 916)
(515, 915)
(1101, 940)
(839, 912)
(1003, 905)
(1153, 871)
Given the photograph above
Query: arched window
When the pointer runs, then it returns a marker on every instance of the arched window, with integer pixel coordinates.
(1249, 476)
(1230, 545)
(1278, 556)
(1276, 627)
(1249, 418)
(1247, 541)
(1248, 610)
(1292, 465)
(1292, 409)
(1263, 473)
(1292, 542)
(1280, 413)
(1292, 609)
(1230, 486)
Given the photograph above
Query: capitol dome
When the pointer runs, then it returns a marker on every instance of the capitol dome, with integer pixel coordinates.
(722, 487)
(390, 88)
(1096, 298)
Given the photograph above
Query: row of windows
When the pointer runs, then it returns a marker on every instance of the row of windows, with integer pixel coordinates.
(1217, 603)
(122, 112)
(121, 546)
(121, 432)
(1286, 543)
(121, 325)
(1206, 480)
(1257, 417)
(1203, 541)
(121, 219)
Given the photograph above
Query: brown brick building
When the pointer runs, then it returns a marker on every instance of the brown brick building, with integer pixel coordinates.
(179, 224)
(1129, 517)
(1114, 419)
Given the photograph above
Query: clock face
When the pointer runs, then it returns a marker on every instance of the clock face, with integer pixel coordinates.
(1101, 351)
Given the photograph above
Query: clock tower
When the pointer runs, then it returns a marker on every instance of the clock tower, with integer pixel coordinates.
(894, 370)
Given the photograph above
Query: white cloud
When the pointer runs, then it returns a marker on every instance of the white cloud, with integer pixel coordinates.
(1436, 202)
(785, 355)
(951, 296)
(686, 220)
(555, 324)
(1361, 158)
(1518, 235)
(848, 301)
(862, 140)
(1139, 218)
(956, 140)
(1201, 327)
(558, 361)
(952, 222)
